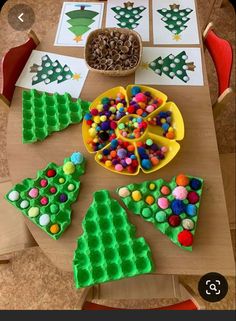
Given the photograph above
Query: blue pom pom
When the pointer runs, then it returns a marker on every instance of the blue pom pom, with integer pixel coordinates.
(141, 151)
(191, 209)
(178, 207)
(195, 184)
(146, 164)
(105, 152)
(135, 90)
(77, 158)
(165, 126)
(114, 143)
(87, 116)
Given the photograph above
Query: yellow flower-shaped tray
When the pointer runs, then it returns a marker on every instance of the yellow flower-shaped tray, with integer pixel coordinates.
(153, 132)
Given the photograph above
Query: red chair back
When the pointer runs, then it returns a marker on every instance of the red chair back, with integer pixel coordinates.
(222, 55)
(185, 305)
(12, 65)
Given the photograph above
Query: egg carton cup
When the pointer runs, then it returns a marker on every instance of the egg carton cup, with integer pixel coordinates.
(137, 206)
(44, 114)
(108, 249)
(153, 132)
(63, 216)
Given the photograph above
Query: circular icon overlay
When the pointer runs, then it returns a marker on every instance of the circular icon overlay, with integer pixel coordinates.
(213, 287)
(21, 17)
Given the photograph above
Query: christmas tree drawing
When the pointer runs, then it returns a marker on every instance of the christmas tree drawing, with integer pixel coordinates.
(50, 71)
(80, 21)
(175, 19)
(173, 66)
(128, 16)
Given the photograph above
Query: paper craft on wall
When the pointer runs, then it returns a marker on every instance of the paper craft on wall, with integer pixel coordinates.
(53, 73)
(132, 15)
(170, 66)
(175, 23)
(77, 20)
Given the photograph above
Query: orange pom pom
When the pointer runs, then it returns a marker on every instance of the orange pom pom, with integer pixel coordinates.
(170, 135)
(113, 153)
(139, 112)
(182, 180)
(131, 148)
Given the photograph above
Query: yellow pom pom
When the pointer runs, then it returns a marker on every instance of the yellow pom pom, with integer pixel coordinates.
(152, 186)
(99, 107)
(163, 121)
(170, 129)
(69, 168)
(108, 163)
(61, 180)
(97, 119)
(119, 105)
(103, 118)
(136, 195)
(92, 132)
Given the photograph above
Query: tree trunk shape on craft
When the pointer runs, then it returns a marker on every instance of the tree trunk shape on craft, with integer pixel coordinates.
(175, 19)
(128, 16)
(50, 71)
(80, 21)
(173, 66)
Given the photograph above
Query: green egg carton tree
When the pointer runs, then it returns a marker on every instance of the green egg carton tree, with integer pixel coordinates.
(172, 207)
(46, 200)
(44, 114)
(108, 249)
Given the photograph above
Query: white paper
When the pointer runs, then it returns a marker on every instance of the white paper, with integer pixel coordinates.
(174, 36)
(139, 21)
(145, 75)
(73, 86)
(64, 36)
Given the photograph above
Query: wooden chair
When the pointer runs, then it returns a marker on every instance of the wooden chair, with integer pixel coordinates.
(14, 234)
(139, 288)
(222, 55)
(12, 65)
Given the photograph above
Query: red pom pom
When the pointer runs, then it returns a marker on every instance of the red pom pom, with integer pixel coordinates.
(53, 190)
(134, 163)
(51, 173)
(174, 220)
(94, 112)
(89, 122)
(126, 144)
(130, 169)
(192, 197)
(185, 238)
(130, 109)
(113, 125)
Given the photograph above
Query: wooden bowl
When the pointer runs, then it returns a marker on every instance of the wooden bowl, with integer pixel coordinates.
(113, 72)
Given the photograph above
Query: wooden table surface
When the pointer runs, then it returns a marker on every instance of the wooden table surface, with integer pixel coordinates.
(198, 156)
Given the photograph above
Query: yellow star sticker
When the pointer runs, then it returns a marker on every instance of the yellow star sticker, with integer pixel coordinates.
(176, 37)
(145, 65)
(76, 76)
(78, 38)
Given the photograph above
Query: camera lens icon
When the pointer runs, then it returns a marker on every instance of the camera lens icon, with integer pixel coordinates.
(213, 287)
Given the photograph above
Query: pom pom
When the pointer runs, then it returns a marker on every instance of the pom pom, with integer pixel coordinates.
(160, 216)
(174, 220)
(63, 198)
(165, 190)
(54, 229)
(136, 195)
(124, 192)
(77, 158)
(178, 207)
(146, 164)
(185, 238)
(182, 180)
(135, 90)
(163, 202)
(149, 200)
(51, 173)
(69, 168)
(180, 193)
(195, 184)
(191, 209)
(193, 197)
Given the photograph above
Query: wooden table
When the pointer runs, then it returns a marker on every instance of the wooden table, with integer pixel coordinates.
(212, 249)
